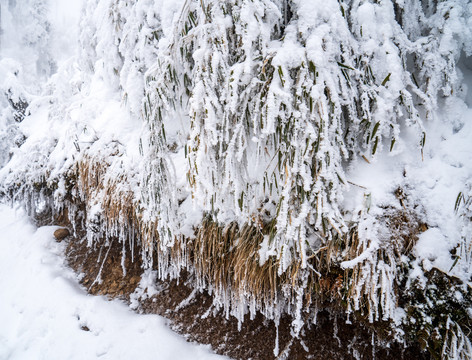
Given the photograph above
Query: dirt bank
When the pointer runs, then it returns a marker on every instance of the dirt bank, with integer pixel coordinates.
(193, 314)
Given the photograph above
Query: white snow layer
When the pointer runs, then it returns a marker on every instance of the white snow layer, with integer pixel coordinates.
(43, 308)
(93, 106)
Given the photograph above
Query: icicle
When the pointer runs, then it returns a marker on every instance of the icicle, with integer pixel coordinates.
(276, 346)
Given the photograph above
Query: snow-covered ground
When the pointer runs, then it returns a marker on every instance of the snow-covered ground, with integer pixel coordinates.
(43, 309)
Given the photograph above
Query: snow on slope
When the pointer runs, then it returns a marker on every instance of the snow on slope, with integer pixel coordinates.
(84, 111)
(432, 181)
(43, 308)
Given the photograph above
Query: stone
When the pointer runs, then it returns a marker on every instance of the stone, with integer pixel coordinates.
(61, 234)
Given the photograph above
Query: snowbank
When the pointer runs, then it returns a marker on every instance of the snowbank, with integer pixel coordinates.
(46, 314)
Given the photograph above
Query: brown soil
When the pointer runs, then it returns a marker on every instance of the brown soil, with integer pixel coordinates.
(100, 269)
(331, 338)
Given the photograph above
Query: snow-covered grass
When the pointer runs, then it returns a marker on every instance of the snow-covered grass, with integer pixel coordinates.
(44, 311)
(317, 124)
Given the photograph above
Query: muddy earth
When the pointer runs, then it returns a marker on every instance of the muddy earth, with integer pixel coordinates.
(193, 315)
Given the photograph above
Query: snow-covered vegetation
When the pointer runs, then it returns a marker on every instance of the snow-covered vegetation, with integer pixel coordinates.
(292, 155)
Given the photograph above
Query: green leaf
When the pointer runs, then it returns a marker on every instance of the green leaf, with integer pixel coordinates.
(312, 67)
(374, 131)
(414, 80)
(375, 145)
(164, 133)
(458, 202)
(387, 78)
(345, 66)
(281, 75)
(455, 263)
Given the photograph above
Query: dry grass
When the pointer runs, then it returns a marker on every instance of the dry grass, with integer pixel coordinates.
(225, 259)
(372, 288)
(222, 259)
(113, 195)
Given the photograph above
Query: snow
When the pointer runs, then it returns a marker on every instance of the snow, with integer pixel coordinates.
(64, 17)
(433, 248)
(43, 307)
(226, 118)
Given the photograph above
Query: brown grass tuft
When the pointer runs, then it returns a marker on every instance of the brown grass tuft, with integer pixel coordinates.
(225, 259)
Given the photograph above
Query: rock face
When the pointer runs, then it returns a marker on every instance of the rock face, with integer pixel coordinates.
(61, 234)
